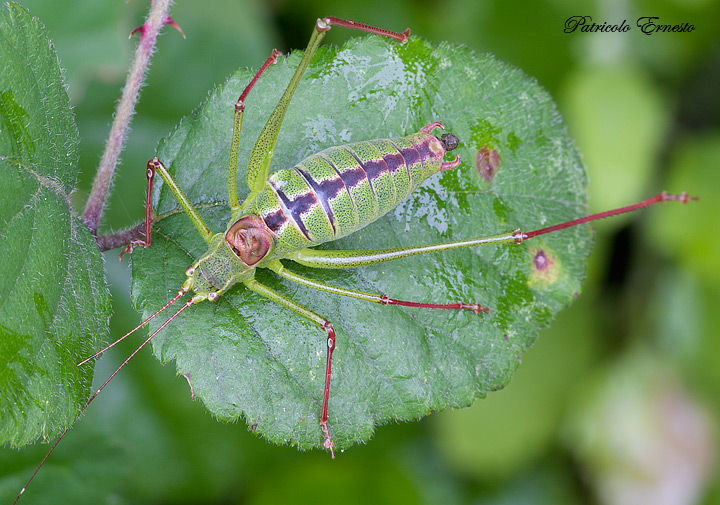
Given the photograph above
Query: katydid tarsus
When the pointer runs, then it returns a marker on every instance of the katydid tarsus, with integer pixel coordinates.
(326, 196)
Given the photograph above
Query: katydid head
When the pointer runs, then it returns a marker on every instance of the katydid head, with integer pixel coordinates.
(231, 258)
(216, 271)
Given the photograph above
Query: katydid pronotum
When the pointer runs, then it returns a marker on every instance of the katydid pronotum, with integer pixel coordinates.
(324, 197)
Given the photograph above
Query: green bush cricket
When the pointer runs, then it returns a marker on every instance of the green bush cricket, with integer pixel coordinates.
(326, 196)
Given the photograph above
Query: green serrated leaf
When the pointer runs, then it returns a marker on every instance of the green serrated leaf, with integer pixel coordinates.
(54, 305)
(248, 357)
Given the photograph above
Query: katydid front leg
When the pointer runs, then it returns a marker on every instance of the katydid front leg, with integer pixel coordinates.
(155, 165)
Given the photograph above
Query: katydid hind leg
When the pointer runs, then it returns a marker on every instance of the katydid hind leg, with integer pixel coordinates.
(237, 126)
(328, 258)
(259, 163)
(660, 197)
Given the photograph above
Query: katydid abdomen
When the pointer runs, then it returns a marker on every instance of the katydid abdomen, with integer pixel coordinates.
(337, 191)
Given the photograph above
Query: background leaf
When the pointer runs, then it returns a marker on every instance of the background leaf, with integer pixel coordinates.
(247, 356)
(54, 306)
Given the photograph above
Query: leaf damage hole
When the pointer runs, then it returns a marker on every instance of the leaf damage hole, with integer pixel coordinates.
(487, 161)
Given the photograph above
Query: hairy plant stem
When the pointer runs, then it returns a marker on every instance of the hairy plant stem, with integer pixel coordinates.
(121, 238)
(157, 17)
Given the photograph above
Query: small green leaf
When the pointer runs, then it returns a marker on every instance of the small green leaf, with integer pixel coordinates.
(248, 357)
(54, 305)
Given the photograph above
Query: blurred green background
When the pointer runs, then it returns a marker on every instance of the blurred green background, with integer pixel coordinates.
(616, 403)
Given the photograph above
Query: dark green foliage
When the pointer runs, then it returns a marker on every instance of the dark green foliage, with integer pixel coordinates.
(54, 305)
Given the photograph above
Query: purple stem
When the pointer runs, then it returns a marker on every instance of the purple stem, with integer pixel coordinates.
(126, 108)
(121, 238)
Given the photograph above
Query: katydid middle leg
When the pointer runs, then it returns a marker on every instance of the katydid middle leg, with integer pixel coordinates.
(382, 299)
(326, 325)
(237, 126)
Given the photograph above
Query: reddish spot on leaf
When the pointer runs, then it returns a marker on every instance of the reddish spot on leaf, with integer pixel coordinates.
(545, 268)
(541, 260)
(487, 162)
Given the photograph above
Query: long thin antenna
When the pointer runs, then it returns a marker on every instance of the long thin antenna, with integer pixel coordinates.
(82, 411)
(172, 300)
